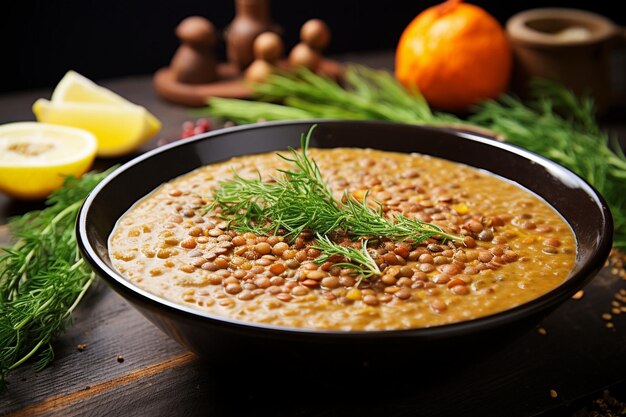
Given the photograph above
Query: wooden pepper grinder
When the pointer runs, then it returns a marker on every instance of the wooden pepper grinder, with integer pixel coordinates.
(252, 17)
(194, 62)
(314, 38)
(268, 49)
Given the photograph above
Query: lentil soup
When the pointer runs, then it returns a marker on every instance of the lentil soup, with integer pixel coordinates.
(514, 247)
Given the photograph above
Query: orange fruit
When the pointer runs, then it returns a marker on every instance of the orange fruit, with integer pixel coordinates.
(120, 126)
(456, 54)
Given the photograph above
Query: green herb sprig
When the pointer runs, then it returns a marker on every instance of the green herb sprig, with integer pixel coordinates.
(42, 277)
(362, 220)
(358, 260)
(365, 94)
(296, 200)
(299, 199)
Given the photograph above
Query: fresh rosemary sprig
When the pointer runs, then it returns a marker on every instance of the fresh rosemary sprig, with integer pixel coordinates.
(248, 203)
(253, 111)
(365, 94)
(362, 220)
(42, 277)
(295, 200)
(358, 260)
(299, 199)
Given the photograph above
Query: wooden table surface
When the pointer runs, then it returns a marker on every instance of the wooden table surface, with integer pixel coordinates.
(128, 367)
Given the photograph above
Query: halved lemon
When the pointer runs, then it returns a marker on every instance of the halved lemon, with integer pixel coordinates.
(119, 125)
(36, 157)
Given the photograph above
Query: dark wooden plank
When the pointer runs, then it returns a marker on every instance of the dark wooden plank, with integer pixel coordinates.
(80, 401)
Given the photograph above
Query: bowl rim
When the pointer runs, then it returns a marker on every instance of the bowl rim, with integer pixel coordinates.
(567, 288)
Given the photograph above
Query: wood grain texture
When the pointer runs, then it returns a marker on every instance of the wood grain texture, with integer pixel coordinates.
(62, 402)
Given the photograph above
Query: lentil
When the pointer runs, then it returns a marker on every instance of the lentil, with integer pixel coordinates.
(460, 290)
(371, 300)
(262, 248)
(330, 282)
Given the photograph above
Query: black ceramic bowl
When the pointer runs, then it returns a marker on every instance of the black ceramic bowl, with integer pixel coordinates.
(221, 337)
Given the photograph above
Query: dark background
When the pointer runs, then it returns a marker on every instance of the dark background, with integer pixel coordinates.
(41, 40)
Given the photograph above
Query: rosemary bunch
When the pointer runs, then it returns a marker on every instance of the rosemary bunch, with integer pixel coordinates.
(362, 220)
(364, 94)
(358, 259)
(42, 277)
(296, 200)
(559, 125)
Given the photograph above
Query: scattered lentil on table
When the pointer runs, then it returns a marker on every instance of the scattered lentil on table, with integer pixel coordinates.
(617, 265)
(515, 247)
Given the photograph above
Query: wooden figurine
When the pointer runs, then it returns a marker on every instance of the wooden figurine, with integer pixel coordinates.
(252, 17)
(193, 74)
(314, 38)
(268, 49)
(194, 62)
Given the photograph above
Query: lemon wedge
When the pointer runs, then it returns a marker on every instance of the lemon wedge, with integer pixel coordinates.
(74, 87)
(118, 129)
(119, 125)
(36, 157)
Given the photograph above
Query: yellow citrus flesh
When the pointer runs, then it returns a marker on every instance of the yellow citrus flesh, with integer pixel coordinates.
(119, 125)
(35, 157)
(119, 129)
(74, 87)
